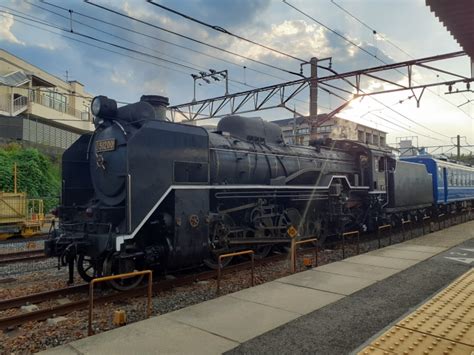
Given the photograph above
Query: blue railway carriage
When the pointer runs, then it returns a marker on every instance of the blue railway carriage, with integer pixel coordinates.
(453, 184)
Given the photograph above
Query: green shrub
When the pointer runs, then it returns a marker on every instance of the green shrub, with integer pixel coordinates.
(37, 175)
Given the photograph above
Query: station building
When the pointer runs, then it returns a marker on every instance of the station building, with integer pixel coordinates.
(39, 109)
(297, 131)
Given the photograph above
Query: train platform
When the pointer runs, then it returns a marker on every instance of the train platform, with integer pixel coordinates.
(338, 308)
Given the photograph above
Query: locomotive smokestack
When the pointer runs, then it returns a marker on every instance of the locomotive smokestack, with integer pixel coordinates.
(159, 104)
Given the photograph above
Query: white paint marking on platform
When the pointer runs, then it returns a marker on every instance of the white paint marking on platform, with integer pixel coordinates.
(462, 260)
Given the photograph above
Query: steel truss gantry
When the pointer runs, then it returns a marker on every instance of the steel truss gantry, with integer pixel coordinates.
(264, 98)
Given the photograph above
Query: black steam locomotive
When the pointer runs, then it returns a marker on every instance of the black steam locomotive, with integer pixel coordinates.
(142, 192)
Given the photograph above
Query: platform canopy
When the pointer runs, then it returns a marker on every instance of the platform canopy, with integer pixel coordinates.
(458, 18)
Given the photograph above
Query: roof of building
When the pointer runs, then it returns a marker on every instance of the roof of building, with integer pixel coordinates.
(293, 120)
(457, 16)
(14, 79)
(301, 119)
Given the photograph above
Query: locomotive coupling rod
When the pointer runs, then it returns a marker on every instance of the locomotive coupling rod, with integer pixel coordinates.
(114, 277)
(347, 234)
(294, 245)
(219, 267)
(381, 228)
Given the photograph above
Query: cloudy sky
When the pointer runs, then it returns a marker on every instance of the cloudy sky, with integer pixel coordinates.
(123, 58)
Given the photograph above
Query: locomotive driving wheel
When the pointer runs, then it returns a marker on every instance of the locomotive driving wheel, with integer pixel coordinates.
(220, 231)
(88, 268)
(114, 265)
(264, 229)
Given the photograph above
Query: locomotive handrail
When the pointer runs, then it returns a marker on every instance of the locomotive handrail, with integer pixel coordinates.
(294, 244)
(114, 277)
(223, 256)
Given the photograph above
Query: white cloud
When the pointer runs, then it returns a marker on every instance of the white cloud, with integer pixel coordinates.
(291, 36)
(6, 23)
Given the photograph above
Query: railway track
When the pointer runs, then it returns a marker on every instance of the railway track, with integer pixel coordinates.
(22, 256)
(36, 238)
(158, 286)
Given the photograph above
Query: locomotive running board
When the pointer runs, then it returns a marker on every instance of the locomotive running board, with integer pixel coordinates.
(121, 238)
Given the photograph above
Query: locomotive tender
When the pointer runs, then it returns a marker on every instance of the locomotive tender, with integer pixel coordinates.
(142, 192)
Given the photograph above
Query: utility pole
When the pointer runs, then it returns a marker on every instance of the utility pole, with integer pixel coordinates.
(458, 146)
(313, 89)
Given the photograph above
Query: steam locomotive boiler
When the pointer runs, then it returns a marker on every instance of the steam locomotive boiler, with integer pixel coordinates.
(141, 192)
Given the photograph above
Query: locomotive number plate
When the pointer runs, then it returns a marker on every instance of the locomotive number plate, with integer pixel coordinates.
(105, 145)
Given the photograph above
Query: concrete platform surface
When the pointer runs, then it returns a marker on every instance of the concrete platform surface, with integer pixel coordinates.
(382, 261)
(324, 281)
(328, 310)
(402, 254)
(232, 318)
(363, 271)
(291, 298)
(157, 335)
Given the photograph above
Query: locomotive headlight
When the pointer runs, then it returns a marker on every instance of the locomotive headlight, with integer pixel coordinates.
(102, 106)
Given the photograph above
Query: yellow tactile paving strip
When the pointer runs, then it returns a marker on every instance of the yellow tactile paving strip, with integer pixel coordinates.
(443, 325)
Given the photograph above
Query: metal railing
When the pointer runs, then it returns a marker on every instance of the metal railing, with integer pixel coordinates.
(423, 222)
(21, 102)
(404, 230)
(385, 227)
(219, 266)
(350, 234)
(115, 277)
(294, 244)
(58, 105)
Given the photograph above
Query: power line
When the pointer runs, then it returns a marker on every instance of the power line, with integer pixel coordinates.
(223, 30)
(191, 38)
(86, 43)
(99, 40)
(155, 38)
(388, 107)
(364, 50)
(108, 33)
(331, 30)
(35, 20)
(393, 44)
(371, 29)
(161, 40)
(405, 128)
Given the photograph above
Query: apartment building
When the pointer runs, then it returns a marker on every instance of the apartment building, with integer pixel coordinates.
(39, 108)
(298, 131)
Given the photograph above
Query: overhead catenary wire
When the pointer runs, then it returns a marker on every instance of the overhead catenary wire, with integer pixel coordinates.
(364, 50)
(164, 41)
(99, 40)
(193, 39)
(223, 30)
(405, 128)
(72, 20)
(84, 42)
(161, 40)
(36, 20)
(385, 38)
(360, 48)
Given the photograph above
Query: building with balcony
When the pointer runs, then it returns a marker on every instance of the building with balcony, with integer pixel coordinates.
(39, 108)
(298, 131)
